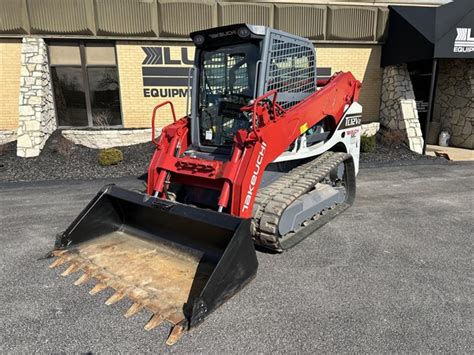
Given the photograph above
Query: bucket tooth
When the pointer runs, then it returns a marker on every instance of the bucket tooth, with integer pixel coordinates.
(176, 333)
(154, 321)
(59, 252)
(176, 317)
(84, 278)
(98, 288)
(70, 270)
(117, 296)
(57, 262)
(134, 309)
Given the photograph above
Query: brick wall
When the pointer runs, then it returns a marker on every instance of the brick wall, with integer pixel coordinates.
(362, 60)
(137, 105)
(10, 63)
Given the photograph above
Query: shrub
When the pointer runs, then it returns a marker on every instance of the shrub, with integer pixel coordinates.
(367, 144)
(110, 156)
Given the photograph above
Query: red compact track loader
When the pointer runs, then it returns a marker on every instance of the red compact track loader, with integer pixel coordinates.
(264, 157)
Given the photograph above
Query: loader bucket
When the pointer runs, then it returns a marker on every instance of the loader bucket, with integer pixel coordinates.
(179, 262)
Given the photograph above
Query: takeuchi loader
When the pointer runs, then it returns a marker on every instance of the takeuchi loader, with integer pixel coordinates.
(267, 154)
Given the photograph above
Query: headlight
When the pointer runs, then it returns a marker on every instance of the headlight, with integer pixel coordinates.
(243, 32)
(198, 40)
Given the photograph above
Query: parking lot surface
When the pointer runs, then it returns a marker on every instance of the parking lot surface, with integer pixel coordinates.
(394, 272)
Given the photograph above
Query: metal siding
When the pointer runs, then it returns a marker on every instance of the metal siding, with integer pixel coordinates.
(304, 21)
(351, 23)
(254, 14)
(13, 17)
(382, 21)
(126, 17)
(179, 19)
(59, 16)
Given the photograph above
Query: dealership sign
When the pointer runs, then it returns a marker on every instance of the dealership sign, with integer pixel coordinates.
(463, 43)
(165, 71)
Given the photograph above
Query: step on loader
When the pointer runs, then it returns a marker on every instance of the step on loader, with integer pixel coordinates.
(267, 154)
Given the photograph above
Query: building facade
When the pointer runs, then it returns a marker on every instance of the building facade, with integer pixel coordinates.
(428, 61)
(94, 67)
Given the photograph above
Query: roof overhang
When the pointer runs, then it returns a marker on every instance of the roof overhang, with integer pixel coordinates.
(418, 33)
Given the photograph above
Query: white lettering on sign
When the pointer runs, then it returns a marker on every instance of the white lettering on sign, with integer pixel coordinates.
(463, 43)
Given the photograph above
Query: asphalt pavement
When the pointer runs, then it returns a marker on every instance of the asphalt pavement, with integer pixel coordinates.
(392, 273)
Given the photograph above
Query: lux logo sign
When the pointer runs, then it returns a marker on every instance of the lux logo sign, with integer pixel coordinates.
(165, 71)
(162, 55)
(463, 43)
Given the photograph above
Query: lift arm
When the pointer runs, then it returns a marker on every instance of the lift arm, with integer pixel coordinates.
(272, 131)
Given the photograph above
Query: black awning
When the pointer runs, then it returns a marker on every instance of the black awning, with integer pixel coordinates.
(455, 30)
(417, 33)
(410, 35)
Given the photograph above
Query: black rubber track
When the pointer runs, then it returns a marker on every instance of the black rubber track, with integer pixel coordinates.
(272, 200)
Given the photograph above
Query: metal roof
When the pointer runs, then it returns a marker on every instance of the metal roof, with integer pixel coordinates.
(324, 21)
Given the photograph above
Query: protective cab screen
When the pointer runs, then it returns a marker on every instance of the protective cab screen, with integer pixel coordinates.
(226, 83)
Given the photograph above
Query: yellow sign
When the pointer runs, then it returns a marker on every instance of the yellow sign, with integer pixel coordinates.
(303, 128)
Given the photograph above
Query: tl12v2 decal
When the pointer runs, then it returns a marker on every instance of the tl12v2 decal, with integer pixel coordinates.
(165, 71)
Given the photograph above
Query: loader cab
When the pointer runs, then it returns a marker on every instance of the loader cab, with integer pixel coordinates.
(235, 64)
(224, 80)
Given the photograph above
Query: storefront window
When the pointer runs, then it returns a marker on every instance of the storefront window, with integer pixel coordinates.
(104, 95)
(69, 96)
(85, 84)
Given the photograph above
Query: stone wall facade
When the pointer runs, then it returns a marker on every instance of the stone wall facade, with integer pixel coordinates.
(370, 129)
(37, 118)
(454, 101)
(398, 107)
(7, 136)
(101, 139)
